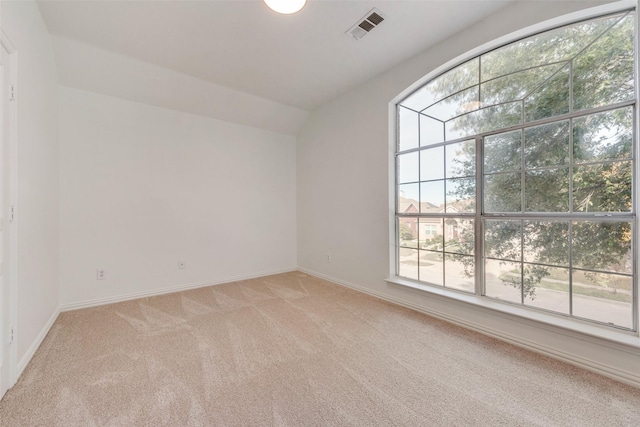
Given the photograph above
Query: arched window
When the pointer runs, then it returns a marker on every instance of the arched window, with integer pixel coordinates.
(529, 150)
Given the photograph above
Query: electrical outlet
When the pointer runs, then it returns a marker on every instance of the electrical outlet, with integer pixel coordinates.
(328, 258)
(181, 265)
(101, 274)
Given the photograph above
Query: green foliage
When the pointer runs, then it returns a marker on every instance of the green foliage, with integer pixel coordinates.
(532, 275)
(597, 57)
(405, 231)
(433, 243)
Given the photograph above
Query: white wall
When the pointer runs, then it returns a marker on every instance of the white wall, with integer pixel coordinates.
(343, 198)
(87, 67)
(37, 175)
(142, 188)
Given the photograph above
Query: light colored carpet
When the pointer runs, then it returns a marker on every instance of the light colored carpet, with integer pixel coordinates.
(295, 350)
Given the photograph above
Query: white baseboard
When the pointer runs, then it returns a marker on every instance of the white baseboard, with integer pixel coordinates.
(36, 344)
(102, 301)
(599, 368)
(590, 365)
(167, 290)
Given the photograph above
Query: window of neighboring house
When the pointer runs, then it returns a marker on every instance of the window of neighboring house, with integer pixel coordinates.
(520, 168)
(430, 230)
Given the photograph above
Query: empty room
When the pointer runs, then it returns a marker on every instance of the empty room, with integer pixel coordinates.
(319, 213)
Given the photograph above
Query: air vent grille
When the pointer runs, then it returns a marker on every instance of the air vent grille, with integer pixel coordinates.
(375, 18)
(367, 23)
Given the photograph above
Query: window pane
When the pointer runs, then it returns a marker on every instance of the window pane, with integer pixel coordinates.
(461, 159)
(451, 232)
(546, 145)
(432, 164)
(459, 272)
(547, 190)
(602, 188)
(459, 236)
(461, 77)
(458, 78)
(603, 297)
(408, 168)
(431, 267)
(546, 242)
(556, 45)
(502, 193)
(420, 99)
(431, 237)
(407, 129)
(502, 152)
(461, 195)
(484, 120)
(408, 263)
(602, 246)
(456, 104)
(455, 80)
(604, 74)
(408, 198)
(432, 196)
(408, 232)
(515, 86)
(603, 136)
(502, 280)
(503, 239)
(547, 287)
(549, 100)
(431, 131)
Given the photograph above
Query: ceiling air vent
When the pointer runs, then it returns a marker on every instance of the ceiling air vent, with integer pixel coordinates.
(370, 21)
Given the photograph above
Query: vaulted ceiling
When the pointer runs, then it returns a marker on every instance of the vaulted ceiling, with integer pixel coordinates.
(281, 65)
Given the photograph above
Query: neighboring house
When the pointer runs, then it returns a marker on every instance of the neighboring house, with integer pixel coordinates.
(426, 228)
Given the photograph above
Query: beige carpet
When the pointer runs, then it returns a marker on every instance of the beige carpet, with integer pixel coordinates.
(295, 350)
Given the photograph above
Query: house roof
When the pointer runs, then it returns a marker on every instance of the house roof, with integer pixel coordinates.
(405, 205)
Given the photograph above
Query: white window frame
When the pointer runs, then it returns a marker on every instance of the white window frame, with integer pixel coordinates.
(626, 337)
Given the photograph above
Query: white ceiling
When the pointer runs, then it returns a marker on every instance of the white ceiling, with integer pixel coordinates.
(301, 60)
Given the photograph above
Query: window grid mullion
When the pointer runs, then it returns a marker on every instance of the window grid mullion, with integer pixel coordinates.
(522, 174)
(478, 221)
(444, 176)
(571, 217)
(522, 210)
(571, 86)
(571, 201)
(417, 219)
(634, 187)
(535, 123)
(444, 271)
(522, 262)
(570, 237)
(480, 82)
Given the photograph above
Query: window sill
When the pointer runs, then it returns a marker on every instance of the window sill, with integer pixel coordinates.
(550, 321)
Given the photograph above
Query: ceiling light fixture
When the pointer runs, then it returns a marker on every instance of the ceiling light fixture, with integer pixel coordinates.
(286, 7)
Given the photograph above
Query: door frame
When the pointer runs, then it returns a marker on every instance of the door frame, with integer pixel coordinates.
(8, 318)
